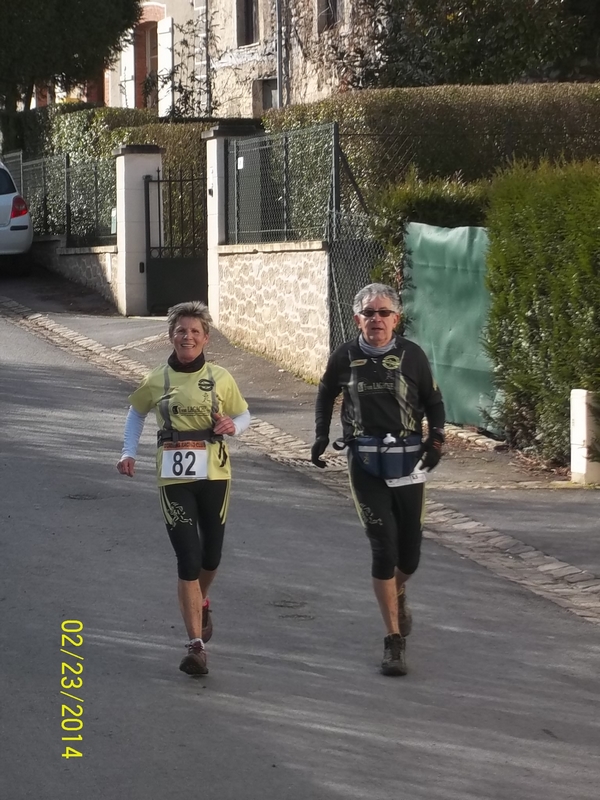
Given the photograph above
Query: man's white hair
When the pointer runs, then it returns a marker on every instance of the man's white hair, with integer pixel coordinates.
(372, 291)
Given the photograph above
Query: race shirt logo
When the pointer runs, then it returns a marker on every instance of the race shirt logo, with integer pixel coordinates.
(377, 386)
(186, 411)
(391, 362)
(206, 384)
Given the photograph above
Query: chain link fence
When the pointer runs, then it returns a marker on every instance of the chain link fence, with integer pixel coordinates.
(353, 253)
(279, 186)
(282, 186)
(370, 162)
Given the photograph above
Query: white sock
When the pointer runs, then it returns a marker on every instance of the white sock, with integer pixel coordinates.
(196, 640)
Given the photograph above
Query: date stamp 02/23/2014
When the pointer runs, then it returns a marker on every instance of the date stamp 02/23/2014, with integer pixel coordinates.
(71, 683)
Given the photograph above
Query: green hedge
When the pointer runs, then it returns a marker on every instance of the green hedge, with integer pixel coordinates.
(445, 130)
(82, 130)
(183, 143)
(89, 133)
(544, 279)
(100, 131)
(94, 133)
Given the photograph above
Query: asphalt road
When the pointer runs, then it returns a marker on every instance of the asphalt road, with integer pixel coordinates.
(502, 696)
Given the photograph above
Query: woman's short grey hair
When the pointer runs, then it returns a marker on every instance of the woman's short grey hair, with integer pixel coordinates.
(373, 290)
(193, 308)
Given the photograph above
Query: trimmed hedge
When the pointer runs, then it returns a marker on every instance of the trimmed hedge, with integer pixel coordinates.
(79, 129)
(445, 130)
(183, 143)
(89, 133)
(94, 133)
(544, 279)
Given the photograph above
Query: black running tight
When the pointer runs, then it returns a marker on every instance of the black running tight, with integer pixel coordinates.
(393, 520)
(195, 515)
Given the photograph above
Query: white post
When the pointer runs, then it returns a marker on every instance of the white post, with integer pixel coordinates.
(215, 218)
(133, 162)
(584, 430)
(216, 209)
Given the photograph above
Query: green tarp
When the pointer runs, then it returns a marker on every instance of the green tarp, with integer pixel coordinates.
(446, 305)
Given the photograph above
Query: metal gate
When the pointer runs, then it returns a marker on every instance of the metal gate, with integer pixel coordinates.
(176, 254)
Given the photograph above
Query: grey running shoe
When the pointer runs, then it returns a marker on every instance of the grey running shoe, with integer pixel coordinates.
(207, 626)
(404, 613)
(194, 663)
(394, 655)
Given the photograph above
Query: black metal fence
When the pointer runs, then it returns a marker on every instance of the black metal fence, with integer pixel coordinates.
(90, 197)
(74, 201)
(371, 160)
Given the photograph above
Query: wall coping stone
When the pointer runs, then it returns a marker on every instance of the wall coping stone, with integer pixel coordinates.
(79, 251)
(234, 128)
(270, 247)
(137, 149)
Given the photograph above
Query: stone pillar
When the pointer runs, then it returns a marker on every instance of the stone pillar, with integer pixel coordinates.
(585, 430)
(133, 162)
(216, 198)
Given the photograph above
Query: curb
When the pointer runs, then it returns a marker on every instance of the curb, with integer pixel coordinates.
(474, 438)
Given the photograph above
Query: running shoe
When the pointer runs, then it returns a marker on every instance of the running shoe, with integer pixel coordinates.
(194, 663)
(207, 626)
(404, 613)
(394, 655)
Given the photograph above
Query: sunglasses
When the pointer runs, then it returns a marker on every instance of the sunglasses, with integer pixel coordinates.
(370, 312)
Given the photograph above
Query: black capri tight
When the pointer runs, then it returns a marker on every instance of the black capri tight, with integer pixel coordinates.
(393, 520)
(195, 515)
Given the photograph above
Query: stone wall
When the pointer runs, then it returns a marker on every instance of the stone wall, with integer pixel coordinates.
(95, 267)
(274, 301)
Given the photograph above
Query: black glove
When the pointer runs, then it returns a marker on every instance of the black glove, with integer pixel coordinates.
(432, 449)
(317, 451)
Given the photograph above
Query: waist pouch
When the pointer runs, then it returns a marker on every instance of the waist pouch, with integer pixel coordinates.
(207, 435)
(387, 461)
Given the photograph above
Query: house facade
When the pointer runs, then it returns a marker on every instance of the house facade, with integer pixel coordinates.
(232, 58)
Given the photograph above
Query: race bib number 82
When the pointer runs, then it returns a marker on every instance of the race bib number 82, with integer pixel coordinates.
(184, 460)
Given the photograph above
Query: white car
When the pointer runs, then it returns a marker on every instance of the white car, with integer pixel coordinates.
(16, 228)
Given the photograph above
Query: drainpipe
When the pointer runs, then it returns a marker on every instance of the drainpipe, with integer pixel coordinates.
(207, 59)
(278, 15)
